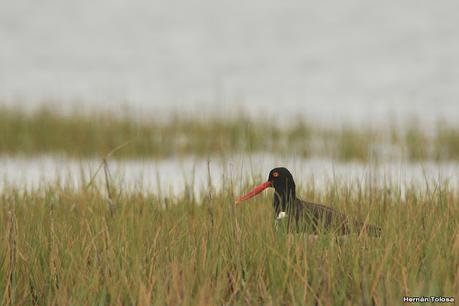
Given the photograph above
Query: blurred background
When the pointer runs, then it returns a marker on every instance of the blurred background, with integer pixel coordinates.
(333, 60)
(369, 66)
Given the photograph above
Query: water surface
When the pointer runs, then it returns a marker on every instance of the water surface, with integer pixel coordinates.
(328, 60)
(172, 176)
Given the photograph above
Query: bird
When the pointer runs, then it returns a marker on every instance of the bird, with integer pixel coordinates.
(304, 215)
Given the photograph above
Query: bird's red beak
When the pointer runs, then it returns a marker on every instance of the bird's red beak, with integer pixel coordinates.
(254, 192)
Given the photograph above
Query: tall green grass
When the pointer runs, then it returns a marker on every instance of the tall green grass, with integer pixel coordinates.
(62, 246)
(82, 135)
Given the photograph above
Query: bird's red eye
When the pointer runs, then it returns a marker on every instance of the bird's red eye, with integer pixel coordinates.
(275, 174)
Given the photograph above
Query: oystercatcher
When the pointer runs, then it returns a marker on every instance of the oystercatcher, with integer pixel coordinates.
(305, 215)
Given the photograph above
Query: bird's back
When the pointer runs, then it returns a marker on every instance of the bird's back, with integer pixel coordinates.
(320, 216)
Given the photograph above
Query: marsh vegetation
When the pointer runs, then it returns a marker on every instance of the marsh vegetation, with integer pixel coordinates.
(82, 135)
(60, 246)
(98, 242)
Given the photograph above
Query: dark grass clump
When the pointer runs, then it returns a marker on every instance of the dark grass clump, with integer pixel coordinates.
(446, 142)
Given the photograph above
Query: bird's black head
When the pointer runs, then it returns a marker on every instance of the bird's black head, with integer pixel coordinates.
(281, 180)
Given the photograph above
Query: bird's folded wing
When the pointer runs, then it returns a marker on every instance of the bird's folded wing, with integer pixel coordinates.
(329, 217)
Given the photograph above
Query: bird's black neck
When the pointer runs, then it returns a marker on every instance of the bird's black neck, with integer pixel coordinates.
(284, 200)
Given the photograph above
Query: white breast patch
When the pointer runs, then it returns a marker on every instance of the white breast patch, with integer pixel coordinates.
(281, 215)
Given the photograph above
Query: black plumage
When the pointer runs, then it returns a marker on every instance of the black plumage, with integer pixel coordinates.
(303, 215)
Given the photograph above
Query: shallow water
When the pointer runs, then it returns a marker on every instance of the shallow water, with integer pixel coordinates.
(171, 176)
(333, 60)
